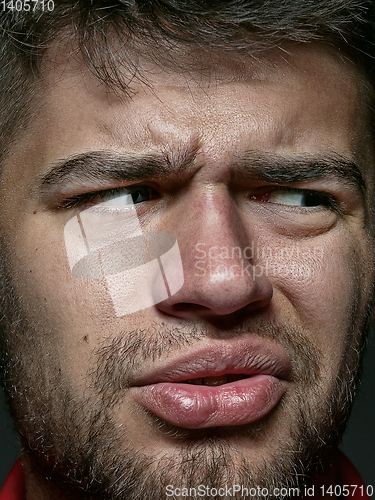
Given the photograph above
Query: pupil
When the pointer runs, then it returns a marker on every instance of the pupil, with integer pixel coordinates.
(139, 195)
(312, 200)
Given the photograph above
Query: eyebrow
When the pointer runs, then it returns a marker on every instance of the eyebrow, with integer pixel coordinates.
(105, 166)
(282, 169)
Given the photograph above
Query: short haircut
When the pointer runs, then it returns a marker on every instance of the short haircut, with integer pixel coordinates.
(91, 26)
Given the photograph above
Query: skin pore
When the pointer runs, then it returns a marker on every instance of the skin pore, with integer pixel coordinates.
(220, 144)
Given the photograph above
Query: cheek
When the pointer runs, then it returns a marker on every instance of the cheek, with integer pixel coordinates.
(66, 315)
(42, 275)
(317, 285)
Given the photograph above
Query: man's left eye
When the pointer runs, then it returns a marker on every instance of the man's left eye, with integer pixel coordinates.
(296, 198)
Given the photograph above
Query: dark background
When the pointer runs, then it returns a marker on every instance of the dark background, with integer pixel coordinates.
(358, 443)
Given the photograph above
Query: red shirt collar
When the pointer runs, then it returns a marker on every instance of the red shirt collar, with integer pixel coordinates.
(14, 486)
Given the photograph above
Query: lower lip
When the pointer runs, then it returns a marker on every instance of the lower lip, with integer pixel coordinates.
(200, 406)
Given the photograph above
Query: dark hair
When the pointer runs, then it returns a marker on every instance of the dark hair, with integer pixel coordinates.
(234, 25)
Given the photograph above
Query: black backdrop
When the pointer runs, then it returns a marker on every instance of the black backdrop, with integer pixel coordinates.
(358, 444)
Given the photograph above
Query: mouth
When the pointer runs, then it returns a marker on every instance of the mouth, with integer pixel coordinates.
(217, 380)
(219, 384)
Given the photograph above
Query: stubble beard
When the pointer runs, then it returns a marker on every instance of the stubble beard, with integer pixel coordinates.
(78, 445)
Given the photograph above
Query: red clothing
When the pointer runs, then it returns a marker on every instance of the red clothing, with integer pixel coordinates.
(14, 486)
(343, 469)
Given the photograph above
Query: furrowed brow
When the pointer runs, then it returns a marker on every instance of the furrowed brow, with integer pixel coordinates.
(103, 167)
(292, 169)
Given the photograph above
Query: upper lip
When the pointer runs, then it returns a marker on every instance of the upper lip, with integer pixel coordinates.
(214, 358)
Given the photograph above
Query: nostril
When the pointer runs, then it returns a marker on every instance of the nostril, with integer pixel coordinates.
(186, 307)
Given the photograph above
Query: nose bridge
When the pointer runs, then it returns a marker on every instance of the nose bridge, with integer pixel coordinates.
(218, 235)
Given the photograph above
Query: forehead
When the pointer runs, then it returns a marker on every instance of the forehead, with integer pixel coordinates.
(299, 99)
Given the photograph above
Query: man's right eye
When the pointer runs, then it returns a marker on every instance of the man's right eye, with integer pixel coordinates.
(116, 198)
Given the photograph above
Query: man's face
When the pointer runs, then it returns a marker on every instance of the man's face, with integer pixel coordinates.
(243, 371)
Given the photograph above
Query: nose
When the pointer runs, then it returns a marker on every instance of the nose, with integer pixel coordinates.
(219, 255)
